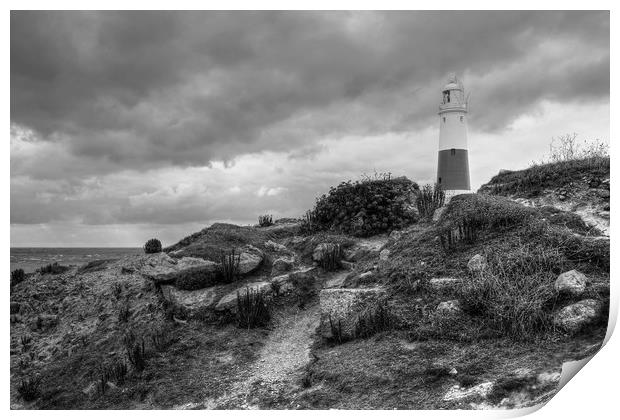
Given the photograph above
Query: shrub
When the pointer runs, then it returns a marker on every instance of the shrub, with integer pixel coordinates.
(429, 199)
(331, 257)
(53, 268)
(265, 220)
(366, 207)
(29, 388)
(514, 293)
(229, 265)
(252, 310)
(469, 215)
(152, 246)
(17, 276)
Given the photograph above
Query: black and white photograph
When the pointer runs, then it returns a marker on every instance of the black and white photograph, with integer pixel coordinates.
(306, 209)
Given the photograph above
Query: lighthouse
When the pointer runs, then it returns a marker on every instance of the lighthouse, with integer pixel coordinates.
(453, 162)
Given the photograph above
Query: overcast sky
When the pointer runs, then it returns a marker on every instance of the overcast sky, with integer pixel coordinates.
(131, 125)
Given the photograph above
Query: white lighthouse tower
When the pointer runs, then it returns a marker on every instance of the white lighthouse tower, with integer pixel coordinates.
(453, 162)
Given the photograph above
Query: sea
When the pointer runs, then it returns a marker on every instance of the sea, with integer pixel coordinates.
(30, 259)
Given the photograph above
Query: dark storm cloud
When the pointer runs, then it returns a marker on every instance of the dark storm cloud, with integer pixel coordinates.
(142, 89)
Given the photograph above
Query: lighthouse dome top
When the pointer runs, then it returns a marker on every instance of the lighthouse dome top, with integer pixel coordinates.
(453, 83)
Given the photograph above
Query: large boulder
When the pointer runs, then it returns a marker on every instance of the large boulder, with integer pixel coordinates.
(163, 269)
(571, 282)
(192, 303)
(229, 301)
(250, 259)
(573, 318)
(344, 307)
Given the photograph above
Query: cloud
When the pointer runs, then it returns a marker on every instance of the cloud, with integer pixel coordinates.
(226, 115)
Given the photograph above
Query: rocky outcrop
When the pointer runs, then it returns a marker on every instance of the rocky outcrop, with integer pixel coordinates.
(192, 303)
(343, 307)
(282, 265)
(571, 282)
(163, 269)
(573, 318)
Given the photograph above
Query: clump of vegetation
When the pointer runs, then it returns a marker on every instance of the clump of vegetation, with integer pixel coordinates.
(136, 352)
(331, 257)
(53, 268)
(309, 223)
(152, 246)
(26, 342)
(366, 207)
(124, 312)
(467, 216)
(265, 220)
(161, 339)
(374, 321)
(252, 309)
(568, 161)
(304, 288)
(514, 294)
(229, 265)
(17, 276)
(429, 199)
(30, 388)
(337, 335)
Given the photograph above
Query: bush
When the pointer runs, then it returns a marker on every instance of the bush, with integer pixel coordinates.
(367, 207)
(514, 293)
(17, 276)
(229, 265)
(152, 246)
(252, 310)
(469, 215)
(265, 220)
(54, 269)
(29, 388)
(429, 199)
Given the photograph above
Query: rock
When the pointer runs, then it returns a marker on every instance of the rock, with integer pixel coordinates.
(449, 308)
(437, 214)
(14, 308)
(395, 235)
(571, 282)
(477, 263)
(604, 194)
(573, 318)
(444, 283)
(365, 274)
(250, 259)
(347, 265)
(162, 269)
(192, 303)
(384, 255)
(282, 284)
(345, 306)
(282, 265)
(229, 301)
(458, 393)
(275, 247)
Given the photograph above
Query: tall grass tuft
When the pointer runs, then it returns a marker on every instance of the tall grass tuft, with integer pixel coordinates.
(331, 257)
(265, 220)
(30, 388)
(309, 223)
(374, 321)
(429, 199)
(252, 309)
(229, 265)
(136, 352)
(17, 276)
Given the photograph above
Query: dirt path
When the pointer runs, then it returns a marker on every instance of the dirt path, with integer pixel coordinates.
(280, 365)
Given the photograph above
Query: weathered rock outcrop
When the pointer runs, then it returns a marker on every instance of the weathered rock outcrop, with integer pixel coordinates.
(163, 269)
(192, 303)
(250, 259)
